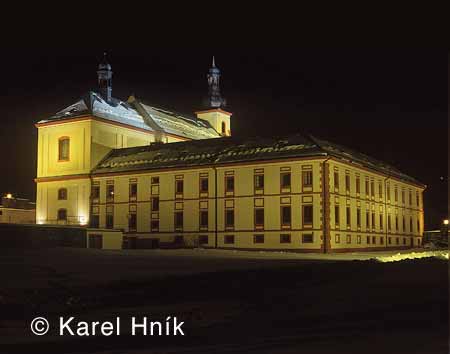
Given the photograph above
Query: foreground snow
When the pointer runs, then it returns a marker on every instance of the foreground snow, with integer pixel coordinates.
(443, 254)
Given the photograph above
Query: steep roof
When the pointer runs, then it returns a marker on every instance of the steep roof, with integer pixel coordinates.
(233, 150)
(121, 112)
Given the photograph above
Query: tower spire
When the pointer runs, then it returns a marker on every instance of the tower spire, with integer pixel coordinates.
(215, 100)
(104, 75)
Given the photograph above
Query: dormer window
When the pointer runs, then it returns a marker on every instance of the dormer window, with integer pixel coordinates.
(64, 149)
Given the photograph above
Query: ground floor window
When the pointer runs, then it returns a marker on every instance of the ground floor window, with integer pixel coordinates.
(62, 215)
(229, 239)
(109, 221)
(307, 238)
(349, 238)
(337, 239)
(203, 239)
(258, 238)
(285, 238)
(95, 221)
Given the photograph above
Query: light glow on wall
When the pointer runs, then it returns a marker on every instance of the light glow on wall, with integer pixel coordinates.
(446, 222)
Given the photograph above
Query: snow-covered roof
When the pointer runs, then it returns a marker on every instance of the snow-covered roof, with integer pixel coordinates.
(232, 150)
(122, 112)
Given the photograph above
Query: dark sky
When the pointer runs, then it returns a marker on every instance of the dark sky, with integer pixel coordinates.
(388, 103)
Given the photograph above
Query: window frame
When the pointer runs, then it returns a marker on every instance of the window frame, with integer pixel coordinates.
(61, 140)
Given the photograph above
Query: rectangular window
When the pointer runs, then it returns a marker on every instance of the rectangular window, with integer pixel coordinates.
(228, 239)
(286, 180)
(307, 238)
(155, 204)
(373, 220)
(410, 225)
(133, 190)
(179, 219)
(259, 217)
(397, 240)
(110, 192)
(389, 222)
(358, 185)
(307, 178)
(417, 199)
(337, 238)
(347, 182)
(95, 192)
(389, 240)
(64, 149)
(286, 216)
(155, 180)
(358, 217)
(418, 227)
(259, 182)
(348, 216)
(403, 224)
(388, 192)
(396, 223)
(109, 221)
(410, 198)
(349, 238)
(154, 225)
(229, 184)
(374, 240)
(396, 194)
(132, 222)
(368, 240)
(382, 240)
(203, 240)
(367, 220)
(229, 218)
(307, 214)
(258, 238)
(203, 218)
(336, 215)
(367, 188)
(358, 239)
(336, 179)
(381, 221)
(403, 196)
(380, 190)
(285, 238)
(95, 221)
(372, 188)
(204, 185)
(179, 186)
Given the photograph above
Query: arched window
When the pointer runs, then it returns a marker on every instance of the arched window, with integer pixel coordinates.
(62, 194)
(224, 128)
(62, 214)
(64, 149)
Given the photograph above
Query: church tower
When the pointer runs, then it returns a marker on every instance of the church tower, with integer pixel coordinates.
(214, 114)
(104, 75)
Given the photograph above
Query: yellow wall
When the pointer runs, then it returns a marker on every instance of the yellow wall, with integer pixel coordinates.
(215, 118)
(17, 216)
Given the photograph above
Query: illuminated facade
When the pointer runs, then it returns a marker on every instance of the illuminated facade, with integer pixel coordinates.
(110, 168)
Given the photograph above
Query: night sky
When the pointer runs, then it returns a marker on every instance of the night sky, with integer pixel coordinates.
(388, 103)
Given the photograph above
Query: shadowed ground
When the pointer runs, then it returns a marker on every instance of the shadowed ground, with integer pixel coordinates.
(231, 302)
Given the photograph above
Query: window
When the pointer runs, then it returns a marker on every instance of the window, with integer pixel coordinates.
(155, 204)
(203, 218)
(155, 180)
(367, 220)
(203, 240)
(154, 225)
(373, 220)
(396, 194)
(336, 215)
(396, 222)
(372, 188)
(229, 218)
(307, 238)
(349, 238)
(404, 241)
(336, 179)
(380, 190)
(358, 185)
(224, 128)
(389, 240)
(109, 221)
(348, 216)
(388, 192)
(259, 217)
(307, 178)
(64, 149)
(404, 224)
(410, 225)
(286, 180)
(259, 182)
(389, 222)
(307, 214)
(95, 221)
(229, 239)
(418, 226)
(417, 198)
(62, 194)
(358, 239)
(132, 222)
(110, 192)
(229, 184)
(367, 188)
(62, 215)
(347, 182)
(179, 186)
(381, 221)
(337, 238)
(95, 192)
(204, 185)
(286, 215)
(368, 240)
(397, 241)
(382, 240)
(258, 238)
(133, 190)
(178, 219)
(285, 238)
(403, 196)
(410, 198)
(374, 240)
(358, 217)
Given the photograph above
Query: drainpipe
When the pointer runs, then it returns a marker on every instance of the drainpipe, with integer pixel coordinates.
(325, 220)
(215, 206)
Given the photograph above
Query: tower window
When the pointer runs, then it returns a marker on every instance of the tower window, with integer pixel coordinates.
(224, 128)
(62, 194)
(64, 149)
(62, 215)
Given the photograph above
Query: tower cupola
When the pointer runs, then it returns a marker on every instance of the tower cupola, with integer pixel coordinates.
(104, 75)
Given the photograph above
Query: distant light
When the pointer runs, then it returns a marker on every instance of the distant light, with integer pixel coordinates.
(446, 222)
(9, 196)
